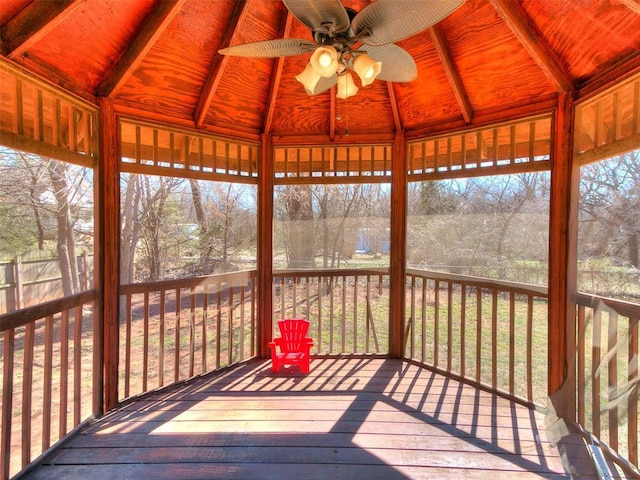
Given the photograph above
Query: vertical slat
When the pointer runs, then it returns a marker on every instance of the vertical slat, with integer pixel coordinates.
(529, 340)
(161, 339)
(127, 348)
(632, 375)
(532, 141)
(145, 343)
(55, 123)
(138, 145)
(595, 372)
(331, 305)
(7, 401)
(218, 325)
(172, 149)
(192, 332)
(205, 320)
(494, 339)
(512, 341)
(612, 376)
(187, 153)
(449, 325)
(512, 144)
(449, 152)
(581, 361)
(64, 373)
(242, 335)
(463, 150)
(201, 154)
(478, 334)
(27, 391)
(463, 328)
(495, 147)
(355, 315)
(253, 315)
(369, 319)
(155, 148)
(294, 296)
(321, 284)
(436, 322)
(412, 316)
(77, 366)
(19, 113)
(47, 379)
(424, 320)
(226, 157)
(344, 314)
(597, 107)
(230, 323)
(176, 348)
(40, 119)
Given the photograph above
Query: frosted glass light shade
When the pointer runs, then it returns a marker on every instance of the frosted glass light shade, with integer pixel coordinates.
(366, 68)
(309, 78)
(346, 86)
(325, 61)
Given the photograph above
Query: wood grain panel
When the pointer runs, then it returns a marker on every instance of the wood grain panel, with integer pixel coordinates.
(586, 35)
(91, 39)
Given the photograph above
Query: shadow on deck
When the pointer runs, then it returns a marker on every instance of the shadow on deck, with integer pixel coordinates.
(350, 418)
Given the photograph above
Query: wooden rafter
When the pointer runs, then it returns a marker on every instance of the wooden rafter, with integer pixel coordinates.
(236, 20)
(153, 26)
(452, 73)
(632, 4)
(275, 78)
(33, 23)
(394, 107)
(534, 43)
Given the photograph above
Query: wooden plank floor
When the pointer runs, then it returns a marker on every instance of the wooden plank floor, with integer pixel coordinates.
(351, 418)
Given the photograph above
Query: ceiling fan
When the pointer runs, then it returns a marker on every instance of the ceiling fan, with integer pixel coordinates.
(346, 40)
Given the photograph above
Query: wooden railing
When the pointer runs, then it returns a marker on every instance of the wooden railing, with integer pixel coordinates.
(348, 308)
(607, 372)
(49, 376)
(173, 330)
(482, 330)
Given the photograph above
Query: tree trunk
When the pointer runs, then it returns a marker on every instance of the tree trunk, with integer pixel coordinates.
(65, 237)
(632, 241)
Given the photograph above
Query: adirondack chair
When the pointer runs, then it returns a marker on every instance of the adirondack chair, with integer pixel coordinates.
(293, 347)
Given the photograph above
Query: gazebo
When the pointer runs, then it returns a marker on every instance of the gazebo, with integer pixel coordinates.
(126, 88)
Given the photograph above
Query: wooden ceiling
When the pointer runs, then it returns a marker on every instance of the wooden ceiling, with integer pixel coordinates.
(490, 60)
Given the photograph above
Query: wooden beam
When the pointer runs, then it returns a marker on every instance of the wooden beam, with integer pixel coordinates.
(563, 219)
(33, 23)
(235, 22)
(146, 36)
(107, 260)
(534, 43)
(452, 73)
(632, 4)
(275, 78)
(398, 258)
(265, 248)
(395, 110)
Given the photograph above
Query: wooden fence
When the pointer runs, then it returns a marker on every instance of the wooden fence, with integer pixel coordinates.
(28, 282)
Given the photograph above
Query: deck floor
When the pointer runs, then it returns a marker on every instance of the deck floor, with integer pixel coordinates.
(350, 418)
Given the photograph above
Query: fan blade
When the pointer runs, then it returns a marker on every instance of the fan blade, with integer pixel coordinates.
(283, 47)
(317, 14)
(390, 21)
(397, 63)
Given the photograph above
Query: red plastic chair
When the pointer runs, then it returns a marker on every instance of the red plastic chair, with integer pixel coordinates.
(293, 347)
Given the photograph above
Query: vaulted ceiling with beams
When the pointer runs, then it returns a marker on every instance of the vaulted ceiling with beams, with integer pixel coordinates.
(489, 60)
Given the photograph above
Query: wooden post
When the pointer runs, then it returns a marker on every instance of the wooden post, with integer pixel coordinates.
(17, 281)
(562, 262)
(106, 260)
(265, 247)
(398, 257)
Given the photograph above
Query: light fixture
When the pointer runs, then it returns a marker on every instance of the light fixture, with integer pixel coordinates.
(324, 61)
(309, 78)
(329, 64)
(366, 68)
(346, 86)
